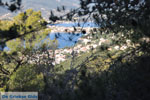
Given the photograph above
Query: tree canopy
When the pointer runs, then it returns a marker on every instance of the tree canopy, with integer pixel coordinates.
(25, 23)
(22, 36)
(101, 73)
(128, 16)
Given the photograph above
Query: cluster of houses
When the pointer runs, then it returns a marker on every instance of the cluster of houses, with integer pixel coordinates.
(62, 29)
(6, 16)
(85, 45)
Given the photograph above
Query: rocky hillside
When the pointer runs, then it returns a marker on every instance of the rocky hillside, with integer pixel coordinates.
(49, 4)
(44, 5)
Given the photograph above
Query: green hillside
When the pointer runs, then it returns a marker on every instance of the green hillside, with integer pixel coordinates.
(111, 75)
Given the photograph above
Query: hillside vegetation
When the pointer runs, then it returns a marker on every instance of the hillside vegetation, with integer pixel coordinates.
(116, 65)
(110, 75)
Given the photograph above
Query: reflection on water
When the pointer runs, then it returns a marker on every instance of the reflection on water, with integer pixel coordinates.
(87, 24)
(65, 39)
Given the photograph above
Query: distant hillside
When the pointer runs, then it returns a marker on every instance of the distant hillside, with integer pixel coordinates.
(44, 5)
(49, 4)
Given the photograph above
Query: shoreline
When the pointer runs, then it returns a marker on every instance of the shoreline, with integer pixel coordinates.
(62, 29)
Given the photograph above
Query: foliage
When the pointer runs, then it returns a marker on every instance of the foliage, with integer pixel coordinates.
(27, 23)
(98, 74)
(12, 5)
(120, 17)
(20, 50)
(26, 79)
(104, 75)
